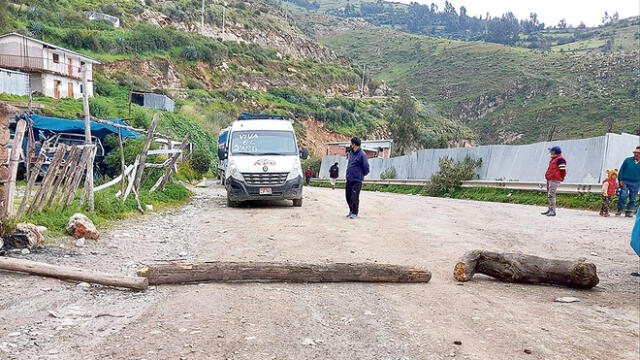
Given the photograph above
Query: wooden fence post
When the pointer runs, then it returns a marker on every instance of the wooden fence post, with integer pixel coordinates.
(145, 150)
(4, 155)
(10, 192)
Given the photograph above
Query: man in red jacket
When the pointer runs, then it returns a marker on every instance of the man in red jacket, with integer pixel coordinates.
(556, 173)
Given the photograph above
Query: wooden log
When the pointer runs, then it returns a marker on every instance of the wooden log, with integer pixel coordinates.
(145, 149)
(132, 176)
(32, 180)
(71, 273)
(522, 268)
(10, 192)
(88, 182)
(282, 271)
(115, 180)
(72, 168)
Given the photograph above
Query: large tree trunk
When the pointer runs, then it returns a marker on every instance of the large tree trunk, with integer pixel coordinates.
(517, 267)
(290, 272)
(71, 273)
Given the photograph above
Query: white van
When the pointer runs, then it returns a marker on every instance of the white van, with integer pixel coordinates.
(262, 160)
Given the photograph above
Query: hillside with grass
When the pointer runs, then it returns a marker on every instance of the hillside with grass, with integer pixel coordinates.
(505, 94)
(260, 61)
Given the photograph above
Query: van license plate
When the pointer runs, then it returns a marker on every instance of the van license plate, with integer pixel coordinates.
(266, 191)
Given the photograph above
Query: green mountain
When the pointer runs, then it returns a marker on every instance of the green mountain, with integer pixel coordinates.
(506, 94)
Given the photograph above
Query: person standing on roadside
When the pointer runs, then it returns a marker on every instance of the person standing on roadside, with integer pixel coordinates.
(556, 172)
(334, 171)
(629, 181)
(357, 169)
(307, 175)
(609, 186)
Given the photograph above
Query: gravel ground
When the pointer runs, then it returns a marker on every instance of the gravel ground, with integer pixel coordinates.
(43, 318)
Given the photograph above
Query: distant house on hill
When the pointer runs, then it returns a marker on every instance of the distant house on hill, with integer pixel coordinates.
(94, 15)
(373, 148)
(53, 70)
(152, 100)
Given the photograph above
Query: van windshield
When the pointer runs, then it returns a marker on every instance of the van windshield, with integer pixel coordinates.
(263, 142)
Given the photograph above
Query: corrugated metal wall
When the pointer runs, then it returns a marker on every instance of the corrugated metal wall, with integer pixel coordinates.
(158, 101)
(13, 82)
(587, 159)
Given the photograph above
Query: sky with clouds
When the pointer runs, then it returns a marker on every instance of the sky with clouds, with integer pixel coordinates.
(549, 11)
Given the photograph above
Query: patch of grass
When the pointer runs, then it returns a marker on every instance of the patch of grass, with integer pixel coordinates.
(108, 208)
(523, 197)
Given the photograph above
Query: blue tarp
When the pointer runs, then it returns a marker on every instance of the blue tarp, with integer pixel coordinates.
(77, 126)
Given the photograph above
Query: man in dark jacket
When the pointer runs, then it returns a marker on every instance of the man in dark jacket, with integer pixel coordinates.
(629, 179)
(556, 172)
(334, 171)
(357, 169)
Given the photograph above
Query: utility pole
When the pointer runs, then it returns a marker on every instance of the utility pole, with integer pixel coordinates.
(202, 19)
(224, 11)
(364, 69)
(87, 135)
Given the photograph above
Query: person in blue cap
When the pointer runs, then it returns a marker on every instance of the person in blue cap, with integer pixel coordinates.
(556, 172)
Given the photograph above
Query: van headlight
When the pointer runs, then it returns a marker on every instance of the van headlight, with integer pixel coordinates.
(234, 172)
(295, 172)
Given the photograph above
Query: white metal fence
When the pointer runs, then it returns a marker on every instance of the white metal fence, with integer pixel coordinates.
(587, 160)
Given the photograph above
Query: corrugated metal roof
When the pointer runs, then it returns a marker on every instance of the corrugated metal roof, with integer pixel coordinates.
(88, 58)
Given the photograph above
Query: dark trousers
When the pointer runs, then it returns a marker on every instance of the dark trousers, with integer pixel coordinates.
(352, 193)
(606, 202)
(308, 178)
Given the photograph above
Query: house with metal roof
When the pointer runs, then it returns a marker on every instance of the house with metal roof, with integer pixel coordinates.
(53, 70)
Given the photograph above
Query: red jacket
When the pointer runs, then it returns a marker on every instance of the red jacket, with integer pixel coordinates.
(307, 173)
(557, 169)
(609, 185)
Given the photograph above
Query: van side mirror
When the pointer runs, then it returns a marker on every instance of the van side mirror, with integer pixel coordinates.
(304, 153)
(222, 154)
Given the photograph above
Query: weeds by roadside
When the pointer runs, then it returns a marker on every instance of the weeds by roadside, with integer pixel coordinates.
(524, 197)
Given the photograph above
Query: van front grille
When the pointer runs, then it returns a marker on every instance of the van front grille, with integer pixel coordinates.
(265, 178)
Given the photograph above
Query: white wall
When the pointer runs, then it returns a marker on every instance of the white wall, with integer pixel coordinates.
(47, 85)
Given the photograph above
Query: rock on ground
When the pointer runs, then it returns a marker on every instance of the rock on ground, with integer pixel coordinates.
(80, 226)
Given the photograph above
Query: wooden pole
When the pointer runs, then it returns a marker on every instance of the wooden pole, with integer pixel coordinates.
(72, 158)
(82, 165)
(122, 163)
(277, 271)
(32, 180)
(14, 161)
(4, 157)
(170, 168)
(47, 183)
(87, 136)
(71, 273)
(145, 149)
(522, 268)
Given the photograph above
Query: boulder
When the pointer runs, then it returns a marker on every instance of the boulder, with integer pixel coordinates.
(32, 233)
(80, 226)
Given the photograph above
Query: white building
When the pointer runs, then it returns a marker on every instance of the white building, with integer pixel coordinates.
(53, 70)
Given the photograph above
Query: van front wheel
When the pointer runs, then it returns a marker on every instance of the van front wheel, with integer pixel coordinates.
(297, 202)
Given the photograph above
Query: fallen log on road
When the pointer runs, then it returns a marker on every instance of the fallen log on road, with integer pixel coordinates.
(522, 268)
(71, 273)
(282, 271)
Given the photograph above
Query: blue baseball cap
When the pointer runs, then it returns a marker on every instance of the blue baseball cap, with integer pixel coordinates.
(556, 149)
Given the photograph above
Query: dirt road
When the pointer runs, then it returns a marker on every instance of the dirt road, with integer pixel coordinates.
(51, 319)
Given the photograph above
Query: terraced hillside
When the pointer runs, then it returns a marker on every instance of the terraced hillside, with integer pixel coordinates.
(506, 94)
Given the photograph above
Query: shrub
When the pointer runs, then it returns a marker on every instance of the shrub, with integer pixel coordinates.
(389, 173)
(187, 173)
(200, 161)
(452, 174)
(313, 164)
